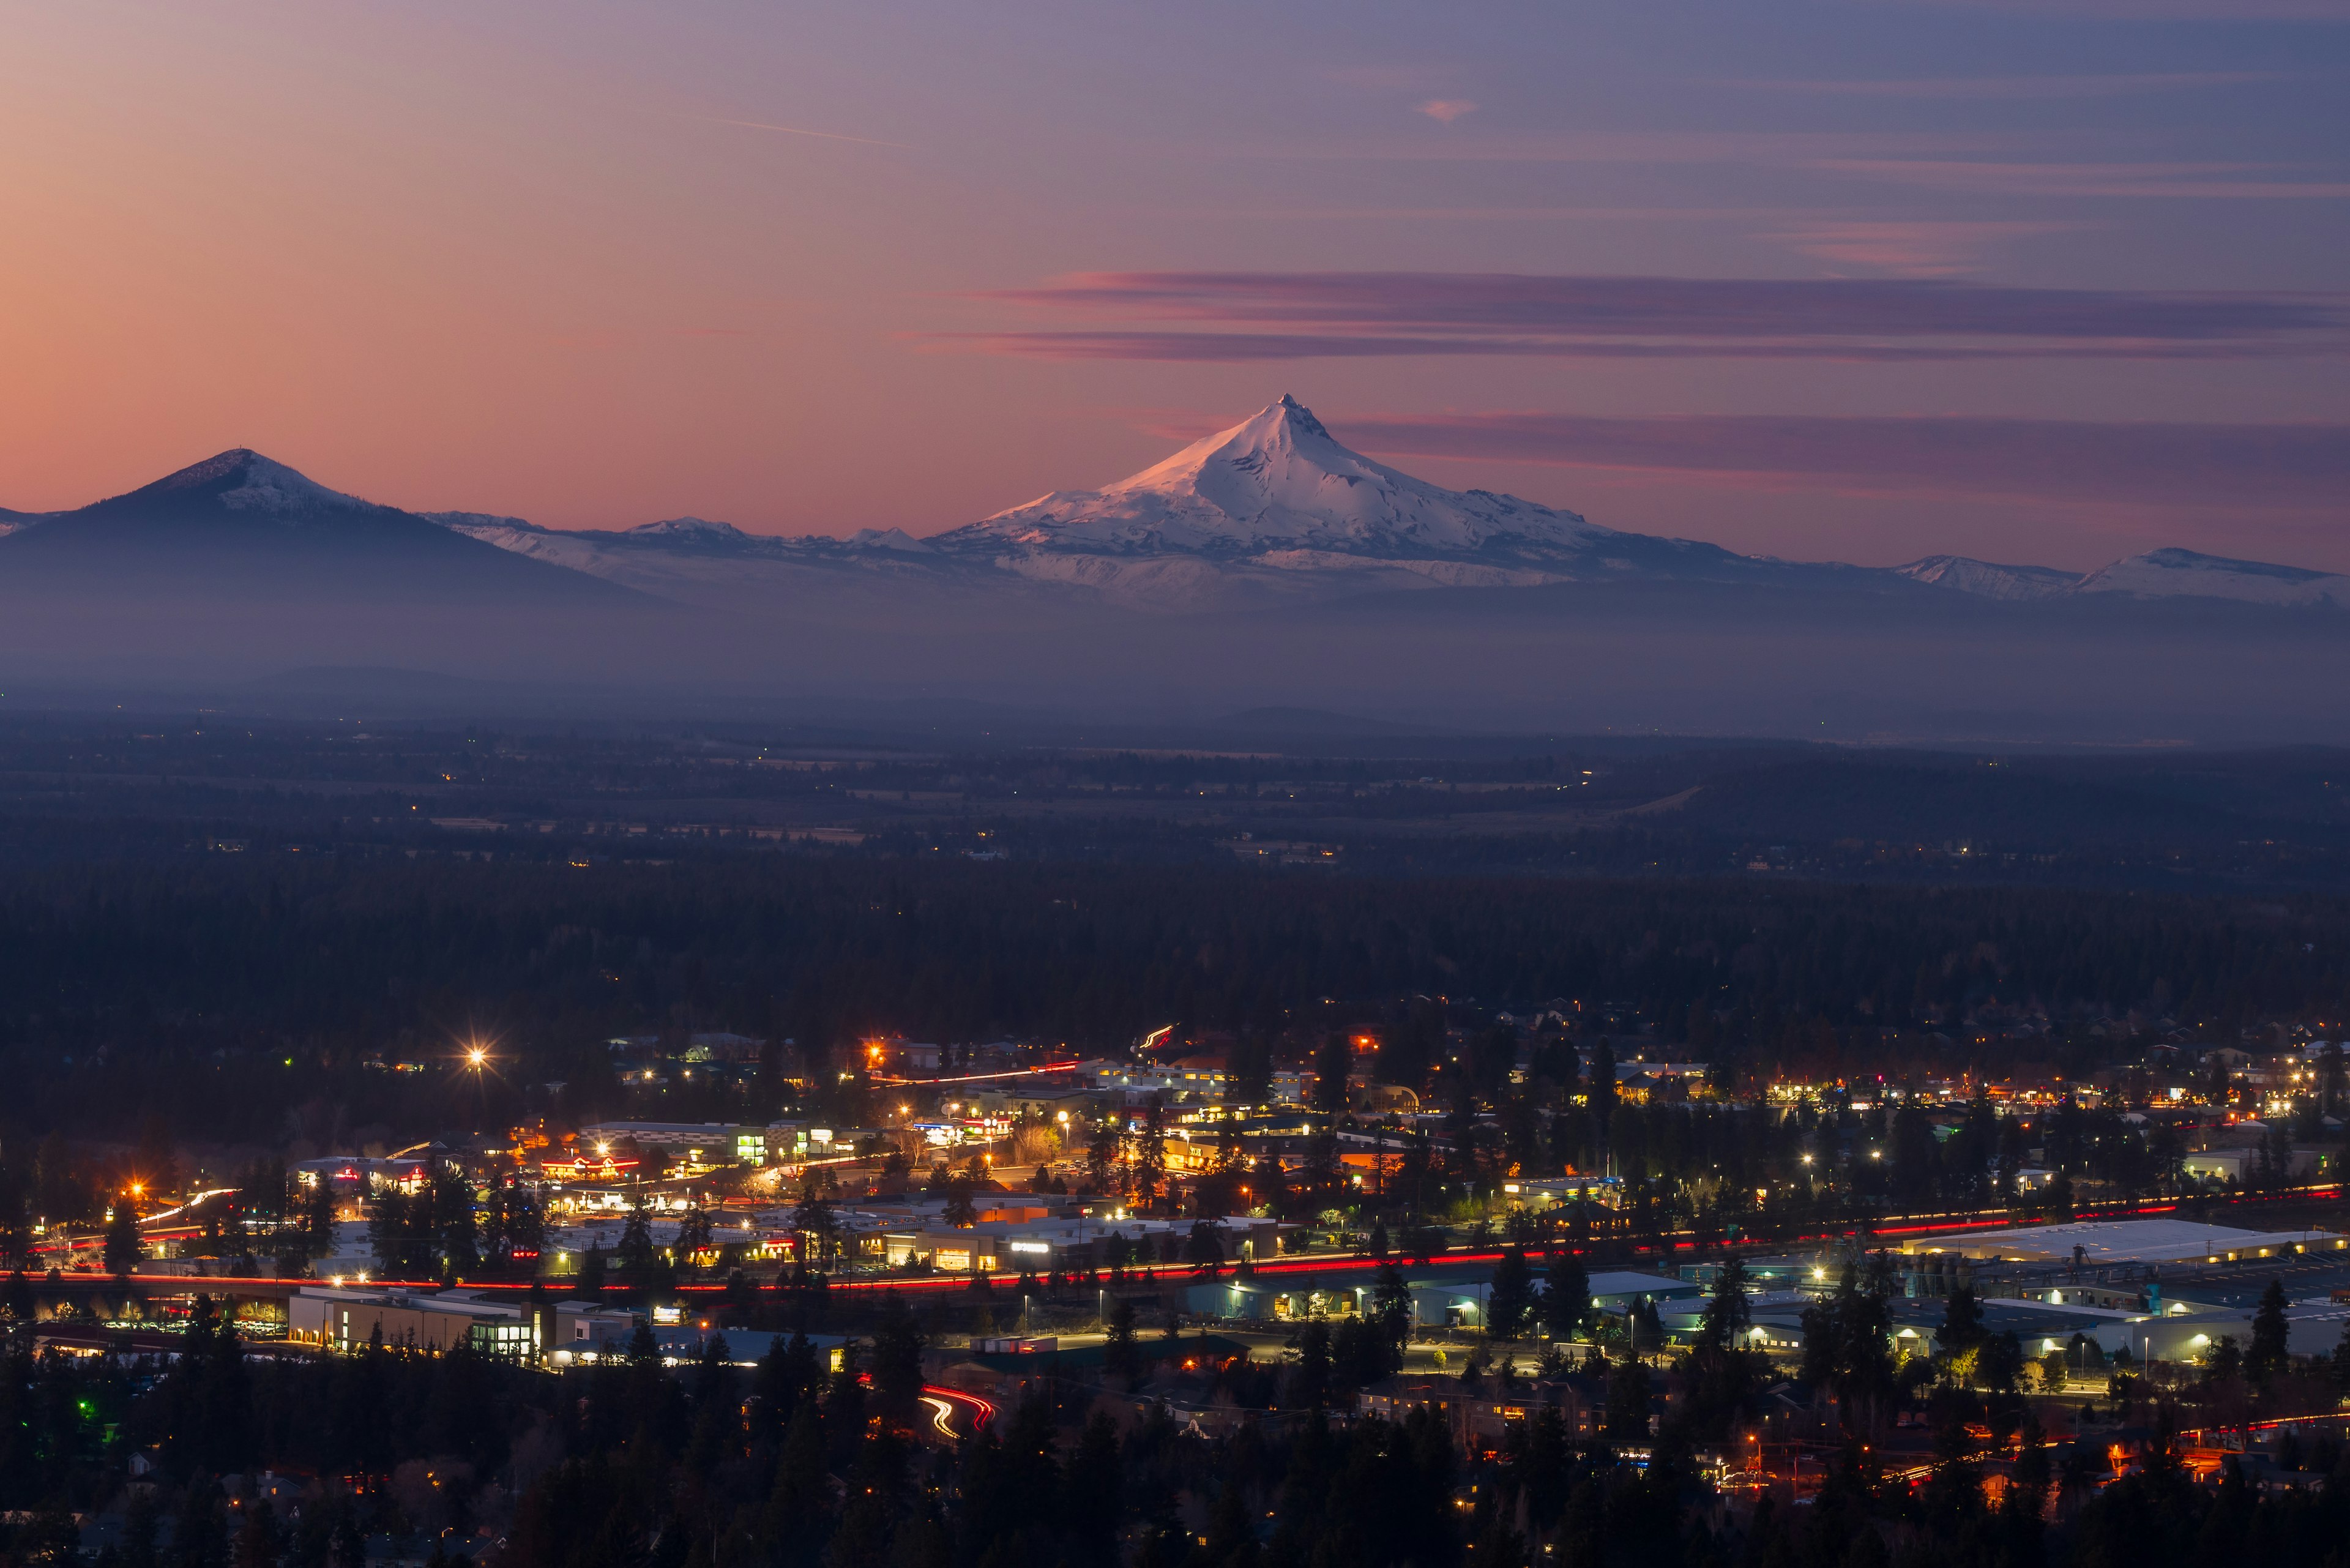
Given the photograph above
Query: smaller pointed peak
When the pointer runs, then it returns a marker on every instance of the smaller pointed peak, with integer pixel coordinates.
(1298, 416)
(1285, 419)
(242, 478)
(219, 465)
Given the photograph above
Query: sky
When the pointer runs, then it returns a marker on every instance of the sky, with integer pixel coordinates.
(2049, 282)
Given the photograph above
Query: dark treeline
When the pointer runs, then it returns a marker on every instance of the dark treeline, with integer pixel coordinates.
(787, 1465)
(237, 988)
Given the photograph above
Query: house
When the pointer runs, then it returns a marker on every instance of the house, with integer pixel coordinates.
(720, 1047)
(1484, 1417)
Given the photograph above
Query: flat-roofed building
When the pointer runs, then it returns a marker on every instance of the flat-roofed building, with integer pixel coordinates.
(2102, 1241)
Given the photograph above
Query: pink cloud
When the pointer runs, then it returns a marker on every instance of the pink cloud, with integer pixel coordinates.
(1236, 317)
(1447, 109)
(1930, 248)
(2172, 181)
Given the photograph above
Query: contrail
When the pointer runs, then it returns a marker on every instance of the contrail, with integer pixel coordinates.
(797, 130)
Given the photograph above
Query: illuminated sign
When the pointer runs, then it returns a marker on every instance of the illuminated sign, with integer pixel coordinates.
(587, 1167)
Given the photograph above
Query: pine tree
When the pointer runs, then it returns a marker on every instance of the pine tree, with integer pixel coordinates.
(1566, 1296)
(636, 1249)
(1727, 1312)
(2269, 1353)
(122, 1247)
(1150, 1153)
(318, 1216)
(454, 1237)
(1600, 1091)
(1391, 1306)
(898, 1359)
(694, 1230)
(1309, 1381)
(960, 1211)
(1962, 1321)
(1511, 1301)
(796, 1518)
(1332, 1063)
(817, 1232)
(1120, 1357)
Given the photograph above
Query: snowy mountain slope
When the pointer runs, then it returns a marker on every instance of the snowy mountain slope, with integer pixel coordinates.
(1276, 510)
(694, 559)
(2184, 574)
(1272, 509)
(1280, 480)
(1988, 580)
(244, 525)
(1277, 507)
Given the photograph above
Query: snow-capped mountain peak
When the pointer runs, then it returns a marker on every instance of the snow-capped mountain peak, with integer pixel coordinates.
(1990, 579)
(244, 481)
(1277, 509)
(1279, 480)
(2174, 573)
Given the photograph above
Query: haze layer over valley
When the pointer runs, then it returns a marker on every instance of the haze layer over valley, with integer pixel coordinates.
(1266, 565)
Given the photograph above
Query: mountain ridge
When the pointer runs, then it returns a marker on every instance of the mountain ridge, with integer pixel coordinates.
(240, 525)
(1273, 509)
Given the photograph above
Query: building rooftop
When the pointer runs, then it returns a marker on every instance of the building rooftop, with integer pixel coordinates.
(2129, 1240)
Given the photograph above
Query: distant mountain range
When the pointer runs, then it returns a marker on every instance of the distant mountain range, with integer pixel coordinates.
(1274, 508)
(1277, 507)
(1264, 566)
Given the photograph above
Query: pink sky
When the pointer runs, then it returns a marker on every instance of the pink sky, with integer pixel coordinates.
(815, 269)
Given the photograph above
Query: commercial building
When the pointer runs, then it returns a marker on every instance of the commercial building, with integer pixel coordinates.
(2093, 1242)
(702, 1143)
(348, 1318)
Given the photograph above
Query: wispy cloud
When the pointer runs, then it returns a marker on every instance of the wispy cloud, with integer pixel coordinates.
(2116, 85)
(1244, 317)
(2006, 163)
(800, 131)
(1918, 248)
(1424, 76)
(2174, 181)
(2297, 466)
(2228, 11)
(1446, 109)
(1257, 348)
